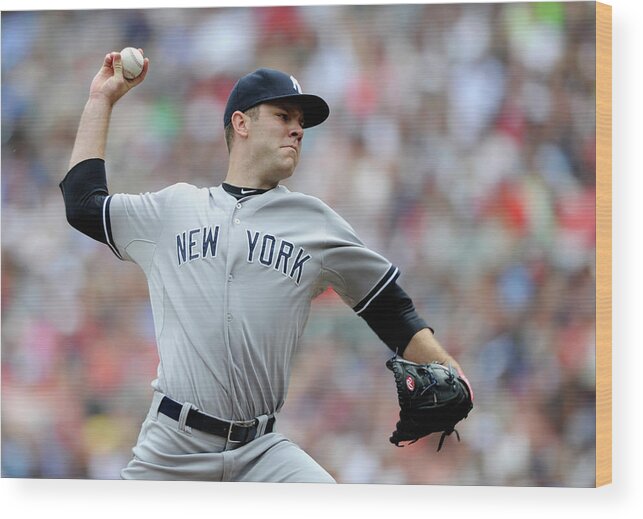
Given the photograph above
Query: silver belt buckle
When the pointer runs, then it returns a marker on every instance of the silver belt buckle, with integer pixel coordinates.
(247, 424)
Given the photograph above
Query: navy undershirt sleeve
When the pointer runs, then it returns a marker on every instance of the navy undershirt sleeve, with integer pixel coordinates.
(392, 316)
(84, 190)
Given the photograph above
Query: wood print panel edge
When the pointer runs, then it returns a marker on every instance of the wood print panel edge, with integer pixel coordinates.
(603, 244)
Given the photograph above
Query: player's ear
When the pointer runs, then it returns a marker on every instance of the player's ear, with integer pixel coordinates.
(239, 122)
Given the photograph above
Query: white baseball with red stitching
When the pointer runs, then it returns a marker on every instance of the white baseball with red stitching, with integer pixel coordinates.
(132, 60)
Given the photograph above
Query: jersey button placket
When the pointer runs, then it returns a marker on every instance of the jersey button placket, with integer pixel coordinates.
(236, 220)
(238, 206)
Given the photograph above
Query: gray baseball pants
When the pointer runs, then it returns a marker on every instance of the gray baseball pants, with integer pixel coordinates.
(167, 449)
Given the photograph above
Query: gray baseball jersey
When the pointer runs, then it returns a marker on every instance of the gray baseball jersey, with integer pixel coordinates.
(231, 284)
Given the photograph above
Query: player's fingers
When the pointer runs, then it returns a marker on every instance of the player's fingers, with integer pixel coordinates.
(117, 65)
(107, 62)
(466, 381)
(146, 66)
(141, 77)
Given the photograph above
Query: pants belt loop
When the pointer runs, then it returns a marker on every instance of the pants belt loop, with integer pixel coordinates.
(261, 425)
(187, 406)
(156, 402)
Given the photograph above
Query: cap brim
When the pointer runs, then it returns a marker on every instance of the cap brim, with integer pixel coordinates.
(315, 109)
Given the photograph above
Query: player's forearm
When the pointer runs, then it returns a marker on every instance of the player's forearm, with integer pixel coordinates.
(425, 348)
(91, 138)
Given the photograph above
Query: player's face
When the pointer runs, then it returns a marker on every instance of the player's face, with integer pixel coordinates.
(276, 137)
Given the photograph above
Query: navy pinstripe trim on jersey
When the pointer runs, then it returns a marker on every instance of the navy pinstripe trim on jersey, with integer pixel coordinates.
(107, 225)
(391, 275)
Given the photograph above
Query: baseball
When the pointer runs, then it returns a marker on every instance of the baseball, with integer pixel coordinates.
(132, 60)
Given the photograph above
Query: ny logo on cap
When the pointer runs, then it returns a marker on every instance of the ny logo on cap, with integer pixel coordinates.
(295, 84)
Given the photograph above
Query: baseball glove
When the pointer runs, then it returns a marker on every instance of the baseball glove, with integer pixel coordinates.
(432, 398)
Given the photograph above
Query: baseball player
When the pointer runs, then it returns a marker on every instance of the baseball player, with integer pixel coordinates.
(232, 271)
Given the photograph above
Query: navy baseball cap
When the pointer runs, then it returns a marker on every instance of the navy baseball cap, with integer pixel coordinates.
(265, 85)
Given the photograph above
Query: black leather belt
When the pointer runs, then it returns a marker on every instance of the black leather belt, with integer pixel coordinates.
(234, 432)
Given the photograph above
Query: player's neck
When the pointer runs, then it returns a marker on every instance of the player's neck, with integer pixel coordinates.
(243, 173)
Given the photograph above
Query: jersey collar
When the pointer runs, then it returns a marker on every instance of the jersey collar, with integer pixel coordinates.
(242, 192)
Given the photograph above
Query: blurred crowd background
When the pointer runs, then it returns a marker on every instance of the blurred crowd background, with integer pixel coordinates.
(461, 145)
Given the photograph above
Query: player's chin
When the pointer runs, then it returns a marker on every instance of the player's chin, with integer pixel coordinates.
(289, 167)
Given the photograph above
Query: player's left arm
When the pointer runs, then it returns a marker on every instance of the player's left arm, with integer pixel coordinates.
(367, 282)
(392, 316)
(424, 348)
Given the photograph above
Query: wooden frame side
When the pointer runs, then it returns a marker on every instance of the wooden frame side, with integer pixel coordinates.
(603, 244)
